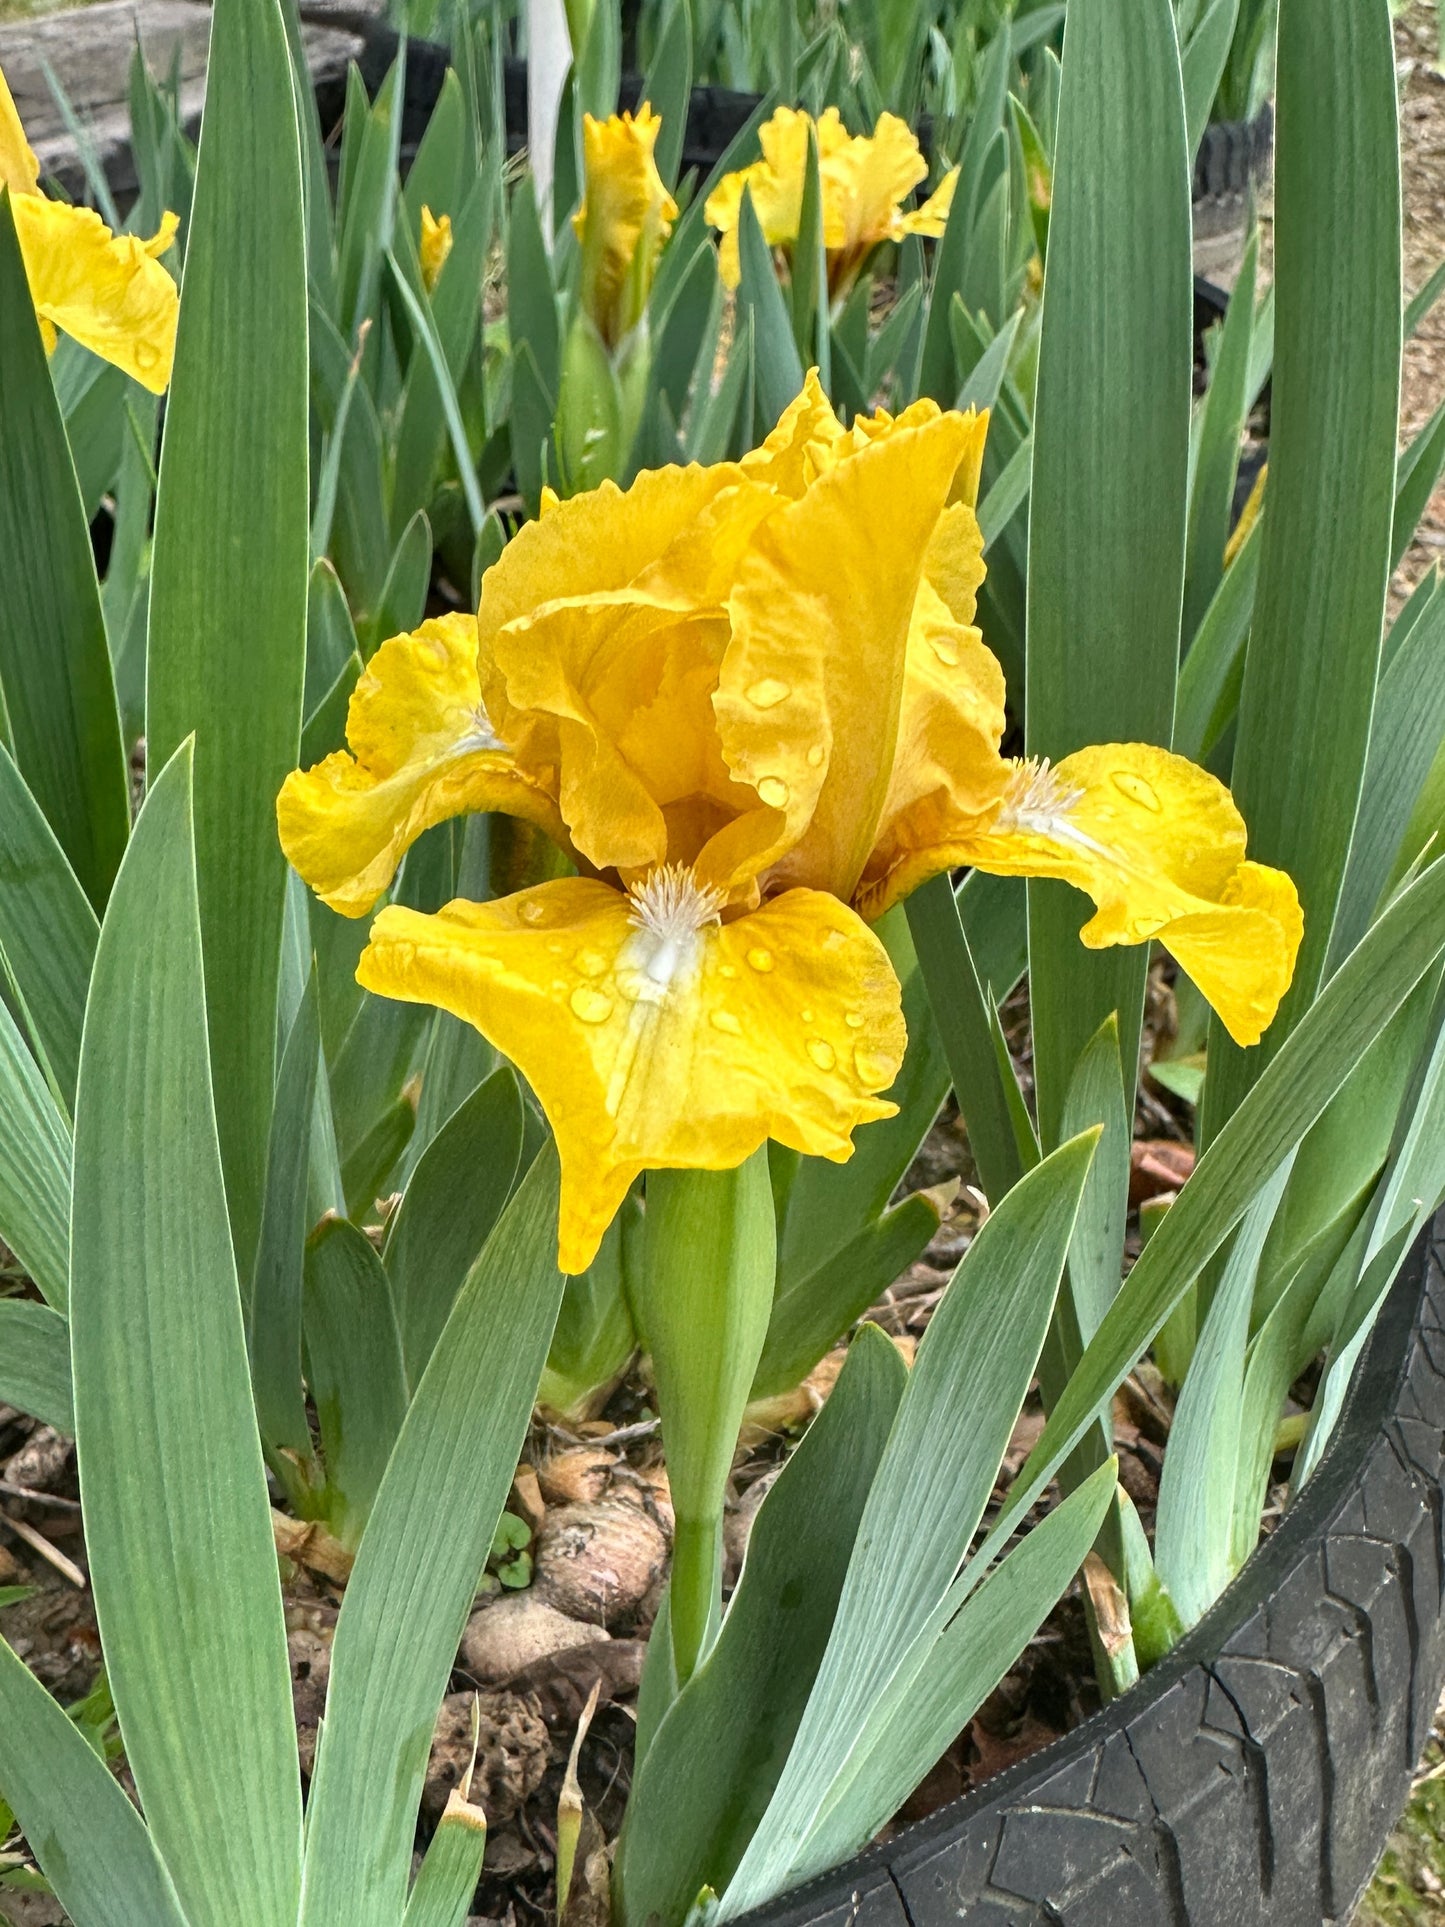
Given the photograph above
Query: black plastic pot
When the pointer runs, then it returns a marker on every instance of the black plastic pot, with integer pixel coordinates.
(1251, 1778)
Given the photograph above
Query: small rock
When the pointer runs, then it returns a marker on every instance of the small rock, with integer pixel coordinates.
(516, 1632)
(512, 1753)
(599, 1562)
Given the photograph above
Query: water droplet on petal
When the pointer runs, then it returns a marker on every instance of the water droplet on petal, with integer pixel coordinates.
(727, 970)
(768, 693)
(1136, 789)
(590, 1005)
(853, 1020)
(531, 910)
(945, 650)
(591, 963)
(724, 1020)
(774, 792)
(823, 1055)
(760, 959)
(816, 755)
(875, 1073)
(806, 1015)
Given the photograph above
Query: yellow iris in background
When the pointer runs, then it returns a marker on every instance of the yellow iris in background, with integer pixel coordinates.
(751, 702)
(434, 245)
(107, 290)
(864, 179)
(625, 216)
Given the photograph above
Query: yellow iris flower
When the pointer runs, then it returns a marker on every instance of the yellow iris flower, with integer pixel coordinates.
(434, 246)
(864, 182)
(107, 290)
(625, 216)
(751, 702)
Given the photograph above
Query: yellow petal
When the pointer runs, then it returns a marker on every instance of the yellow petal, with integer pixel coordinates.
(19, 169)
(932, 218)
(647, 1050)
(864, 181)
(434, 246)
(602, 627)
(104, 289)
(422, 751)
(164, 237)
(625, 216)
(1159, 846)
(802, 444)
(811, 689)
(775, 184)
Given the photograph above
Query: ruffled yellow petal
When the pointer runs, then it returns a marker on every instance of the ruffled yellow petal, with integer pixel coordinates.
(803, 443)
(1158, 844)
(775, 183)
(864, 182)
(434, 246)
(19, 169)
(602, 629)
(105, 289)
(625, 216)
(811, 690)
(932, 218)
(423, 750)
(652, 1040)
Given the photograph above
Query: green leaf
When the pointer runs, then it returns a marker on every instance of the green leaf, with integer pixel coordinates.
(56, 685)
(229, 577)
(420, 1559)
(90, 1842)
(1304, 716)
(668, 87)
(1330, 1040)
(963, 1666)
(1417, 475)
(273, 1319)
(533, 410)
(531, 294)
(1206, 52)
(48, 930)
(447, 1213)
(358, 1382)
(1405, 736)
(1423, 300)
(366, 199)
(777, 368)
(954, 1423)
(440, 175)
(432, 347)
(35, 1362)
(594, 1339)
(711, 1768)
(403, 595)
(1213, 670)
(165, 1427)
(441, 1895)
(34, 1168)
(1107, 531)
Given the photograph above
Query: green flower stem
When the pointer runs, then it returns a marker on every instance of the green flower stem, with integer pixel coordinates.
(704, 1300)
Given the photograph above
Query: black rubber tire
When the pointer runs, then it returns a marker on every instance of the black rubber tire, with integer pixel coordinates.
(1251, 1778)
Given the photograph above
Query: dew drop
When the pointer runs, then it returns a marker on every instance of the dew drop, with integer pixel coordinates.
(774, 792)
(1136, 789)
(806, 1015)
(530, 910)
(945, 650)
(724, 1020)
(823, 1055)
(727, 970)
(591, 963)
(590, 1005)
(760, 959)
(768, 693)
(853, 1020)
(816, 755)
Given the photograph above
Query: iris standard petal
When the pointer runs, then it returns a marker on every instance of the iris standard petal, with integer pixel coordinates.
(865, 181)
(433, 246)
(932, 218)
(654, 1036)
(811, 689)
(625, 216)
(107, 290)
(422, 750)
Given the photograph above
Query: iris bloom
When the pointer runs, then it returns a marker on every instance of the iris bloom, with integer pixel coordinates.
(864, 182)
(625, 216)
(751, 702)
(107, 290)
(434, 246)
